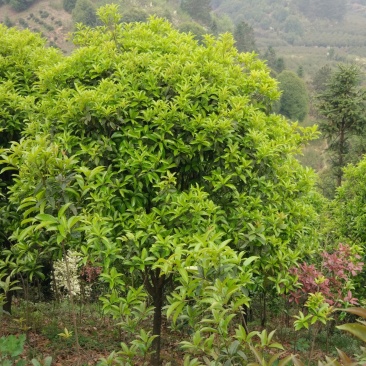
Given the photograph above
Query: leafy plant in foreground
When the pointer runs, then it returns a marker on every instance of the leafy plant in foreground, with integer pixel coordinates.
(11, 349)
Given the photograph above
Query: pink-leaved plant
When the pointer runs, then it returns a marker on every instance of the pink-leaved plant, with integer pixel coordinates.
(331, 279)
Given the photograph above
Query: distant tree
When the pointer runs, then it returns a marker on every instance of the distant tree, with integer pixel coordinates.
(343, 108)
(194, 28)
(321, 79)
(8, 22)
(135, 15)
(293, 25)
(300, 71)
(221, 24)
(198, 10)
(277, 64)
(69, 5)
(20, 5)
(294, 99)
(244, 37)
(84, 12)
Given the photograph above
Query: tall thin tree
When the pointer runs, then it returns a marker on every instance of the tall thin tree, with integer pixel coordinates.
(343, 108)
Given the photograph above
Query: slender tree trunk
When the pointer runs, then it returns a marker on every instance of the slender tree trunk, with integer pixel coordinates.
(245, 315)
(8, 301)
(156, 290)
(9, 294)
(340, 156)
(264, 314)
(158, 303)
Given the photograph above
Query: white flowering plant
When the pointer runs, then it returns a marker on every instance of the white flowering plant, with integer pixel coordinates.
(81, 278)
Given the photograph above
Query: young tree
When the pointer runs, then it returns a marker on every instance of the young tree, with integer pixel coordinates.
(163, 149)
(20, 5)
(343, 108)
(321, 79)
(277, 64)
(294, 102)
(68, 5)
(198, 10)
(244, 37)
(84, 12)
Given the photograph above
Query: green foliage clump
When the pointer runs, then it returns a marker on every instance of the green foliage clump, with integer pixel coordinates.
(84, 12)
(20, 5)
(277, 64)
(322, 78)
(349, 204)
(294, 99)
(68, 5)
(11, 348)
(135, 15)
(198, 10)
(244, 37)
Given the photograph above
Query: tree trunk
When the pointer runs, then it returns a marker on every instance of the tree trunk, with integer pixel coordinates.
(156, 290)
(156, 345)
(340, 156)
(264, 314)
(7, 305)
(9, 294)
(245, 317)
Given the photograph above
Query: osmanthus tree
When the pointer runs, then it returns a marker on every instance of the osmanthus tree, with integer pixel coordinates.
(22, 54)
(148, 154)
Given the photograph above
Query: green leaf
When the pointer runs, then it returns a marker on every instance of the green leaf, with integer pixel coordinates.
(172, 307)
(233, 348)
(295, 361)
(72, 221)
(286, 360)
(47, 218)
(25, 233)
(358, 330)
(276, 345)
(184, 274)
(249, 260)
(361, 312)
(178, 312)
(63, 209)
(274, 358)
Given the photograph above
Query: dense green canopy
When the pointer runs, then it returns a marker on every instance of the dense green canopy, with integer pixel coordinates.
(144, 147)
